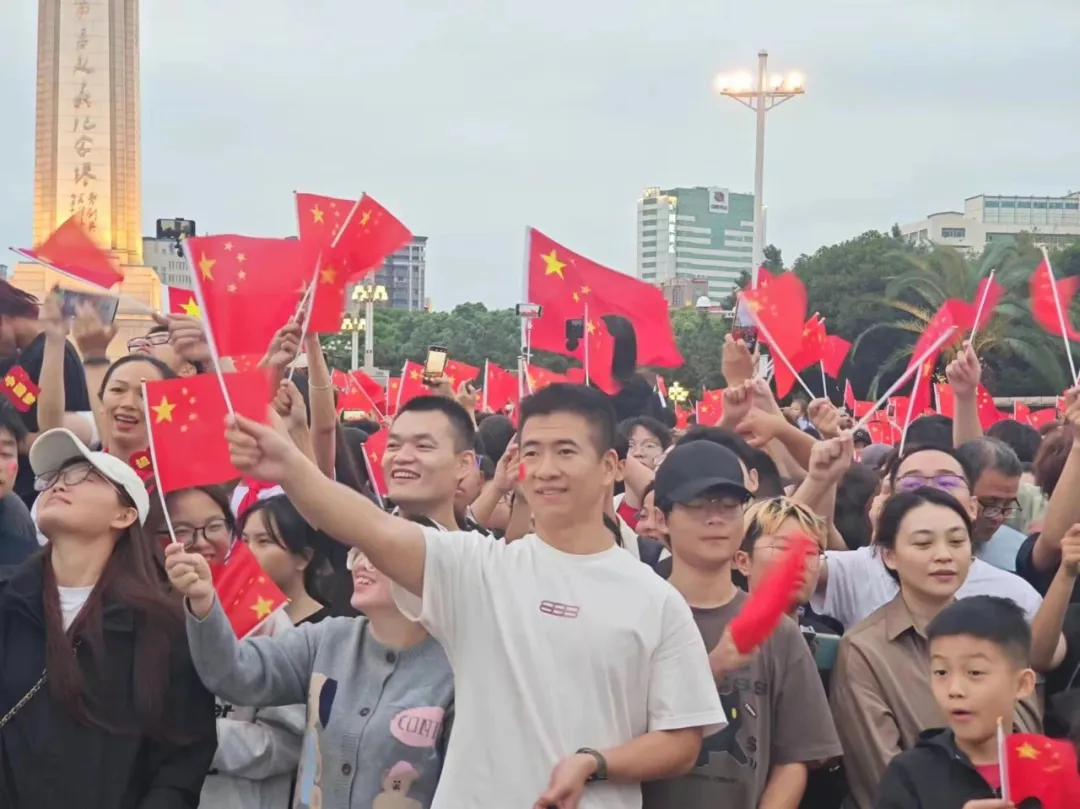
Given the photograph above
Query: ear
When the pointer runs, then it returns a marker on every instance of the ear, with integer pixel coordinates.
(1026, 685)
(743, 562)
(620, 471)
(124, 519)
(466, 461)
(752, 481)
(611, 466)
(888, 556)
(973, 508)
(304, 559)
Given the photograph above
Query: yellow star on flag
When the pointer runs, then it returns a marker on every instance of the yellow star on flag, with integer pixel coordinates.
(263, 607)
(585, 290)
(329, 275)
(554, 266)
(592, 327)
(365, 217)
(240, 257)
(206, 267)
(228, 245)
(1027, 751)
(191, 308)
(317, 215)
(163, 411)
(576, 298)
(232, 287)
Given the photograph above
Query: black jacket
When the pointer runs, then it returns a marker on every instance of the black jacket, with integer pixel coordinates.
(18, 536)
(934, 774)
(51, 761)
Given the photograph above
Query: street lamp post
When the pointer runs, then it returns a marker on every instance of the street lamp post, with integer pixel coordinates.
(354, 324)
(760, 96)
(367, 294)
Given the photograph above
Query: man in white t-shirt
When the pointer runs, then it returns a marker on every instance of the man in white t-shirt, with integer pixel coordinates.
(579, 673)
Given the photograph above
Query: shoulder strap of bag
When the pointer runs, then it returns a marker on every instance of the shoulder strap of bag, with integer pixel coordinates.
(29, 695)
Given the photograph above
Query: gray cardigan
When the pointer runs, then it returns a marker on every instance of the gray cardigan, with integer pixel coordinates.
(375, 715)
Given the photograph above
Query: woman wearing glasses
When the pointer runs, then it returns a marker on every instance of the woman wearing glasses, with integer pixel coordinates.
(258, 750)
(156, 344)
(121, 719)
(881, 695)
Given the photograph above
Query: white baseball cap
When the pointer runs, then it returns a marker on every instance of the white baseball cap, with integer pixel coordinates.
(54, 448)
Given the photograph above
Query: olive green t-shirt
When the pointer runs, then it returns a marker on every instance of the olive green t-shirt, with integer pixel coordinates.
(777, 713)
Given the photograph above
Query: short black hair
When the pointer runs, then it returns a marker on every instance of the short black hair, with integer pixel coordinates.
(622, 446)
(163, 369)
(943, 448)
(16, 303)
(898, 506)
(460, 423)
(650, 425)
(982, 454)
(935, 430)
(564, 397)
(496, 430)
(997, 620)
(1023, 438)
(770, 484)
(11, 421)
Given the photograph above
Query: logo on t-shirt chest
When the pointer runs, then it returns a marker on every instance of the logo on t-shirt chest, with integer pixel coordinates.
(557, 610)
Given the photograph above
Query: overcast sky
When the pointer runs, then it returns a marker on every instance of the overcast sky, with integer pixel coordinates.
(479, 118)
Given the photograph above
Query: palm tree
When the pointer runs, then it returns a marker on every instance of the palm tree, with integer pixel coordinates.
(936, 274)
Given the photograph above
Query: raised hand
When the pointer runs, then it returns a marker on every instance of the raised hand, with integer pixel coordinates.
(186, 336)
(289, 404)
(261, 451)
(825, 417)
(964, 373)
(738, 401)
(831, 458)
(189, 574)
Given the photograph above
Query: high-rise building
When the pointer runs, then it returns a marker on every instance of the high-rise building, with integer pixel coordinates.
(695, 233)
(403, 274)
(86, 145)
(1051, 221)
(163, 257)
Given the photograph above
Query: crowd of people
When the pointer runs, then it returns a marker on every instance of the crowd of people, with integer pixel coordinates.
(537, 610)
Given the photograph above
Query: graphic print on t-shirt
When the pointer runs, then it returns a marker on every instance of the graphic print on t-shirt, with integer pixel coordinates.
(731, 740)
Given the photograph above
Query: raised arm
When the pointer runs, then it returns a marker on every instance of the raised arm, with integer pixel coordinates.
(394, 546)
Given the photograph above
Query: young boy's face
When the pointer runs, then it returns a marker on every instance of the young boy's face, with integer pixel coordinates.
(975, 682)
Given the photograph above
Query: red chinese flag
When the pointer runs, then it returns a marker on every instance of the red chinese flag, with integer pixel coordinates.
(682, 418)
(1042, 768)
(356, 398)
(945, 400)
(834, 354)
(953, 313)
(538, 378)
(500, 387)
(412, 384)
(71, 251)
(189, 412)
(565, 283)
(250, 287)
(812, 349)
(327, 308)
(900, 406)
(1021, 413)
(393, 386)
(711, 408)
(849, 396)
(20, 389)
(1043, 305)
(1040, 418)
(246, 593)
(779, 307)
(988, 412)
(459, 372)
(884, 432)
(772, 598)
(601, 348)
(993, 292)
(359, 379)
(374, 450)
(179, 301)
(366, 233)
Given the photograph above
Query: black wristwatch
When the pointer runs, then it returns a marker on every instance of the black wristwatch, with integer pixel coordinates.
(601, 764)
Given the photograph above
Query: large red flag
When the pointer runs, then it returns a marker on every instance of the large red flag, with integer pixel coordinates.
(247, 595)
(565, 284)
(250, 287)
(189, 412)
(500, 387)
(366, 232)
(412, 384)
(836, 351)
(779, 308)
(1044, 306)
(812, 349)
(1041, 768)
(71, 251)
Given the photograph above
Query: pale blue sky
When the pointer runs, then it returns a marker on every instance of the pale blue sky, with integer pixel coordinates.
(477, 119)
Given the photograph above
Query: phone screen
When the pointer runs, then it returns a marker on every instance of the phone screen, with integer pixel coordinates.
(824, 648)
(106, 305)
(353, 415)
(435, 363)
(744, 327)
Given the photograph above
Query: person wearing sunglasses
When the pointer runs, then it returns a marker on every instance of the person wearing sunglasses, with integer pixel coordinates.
(855, 583)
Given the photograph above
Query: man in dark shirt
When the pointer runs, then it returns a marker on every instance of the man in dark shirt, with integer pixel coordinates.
(22, 343)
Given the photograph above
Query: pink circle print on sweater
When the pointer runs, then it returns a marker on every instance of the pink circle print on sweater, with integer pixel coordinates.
(418, 727)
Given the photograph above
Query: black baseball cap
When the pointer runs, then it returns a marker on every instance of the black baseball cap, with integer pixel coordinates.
(693, 468)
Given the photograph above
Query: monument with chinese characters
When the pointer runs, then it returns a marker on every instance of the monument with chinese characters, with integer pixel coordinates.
(86, 146)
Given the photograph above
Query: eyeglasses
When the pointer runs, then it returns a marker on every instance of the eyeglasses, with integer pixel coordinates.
(812, 557)
(70, 476)
(948, 483)
(993, 510)
(725, 507)
(646, 446)
(216, 530)
(158, 338)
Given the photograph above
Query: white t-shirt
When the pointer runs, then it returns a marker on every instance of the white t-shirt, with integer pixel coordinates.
(553, 652)
(72, 600)
(859, 583)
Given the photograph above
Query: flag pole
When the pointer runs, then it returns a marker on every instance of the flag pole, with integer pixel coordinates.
(211, 344)
(824, 384)
(524, 354)
(911, 405)
(1060, 314)
(153, 460)
(484, 392)
(135, 304)
(904, 377)
(982, 304)
(586, 330)
(306, 307)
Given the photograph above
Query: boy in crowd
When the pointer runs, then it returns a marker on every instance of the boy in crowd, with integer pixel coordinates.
(778, 717)
(979, 659)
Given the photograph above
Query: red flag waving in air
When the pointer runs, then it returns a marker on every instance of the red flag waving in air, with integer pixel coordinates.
(247, 595)
(250, 287)
(538, 378)
(179, 301)
(500, 387)
(779, 308)
(567, 285)
(1044, 305)
(834, 354)
(365, 232)
(1041, 768)
(71, 251)
(600, 346)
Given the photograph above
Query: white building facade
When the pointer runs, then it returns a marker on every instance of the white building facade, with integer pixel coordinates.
(1051, 221)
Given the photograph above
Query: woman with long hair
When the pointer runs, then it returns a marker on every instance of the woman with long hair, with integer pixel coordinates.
(379, 688)
(258, 750)
(292, 553)
(100, 707)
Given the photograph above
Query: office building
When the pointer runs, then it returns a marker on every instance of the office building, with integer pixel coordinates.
(1051, 221)
(695, 233)
(162, 256)
(681, 292)
(403, 274)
